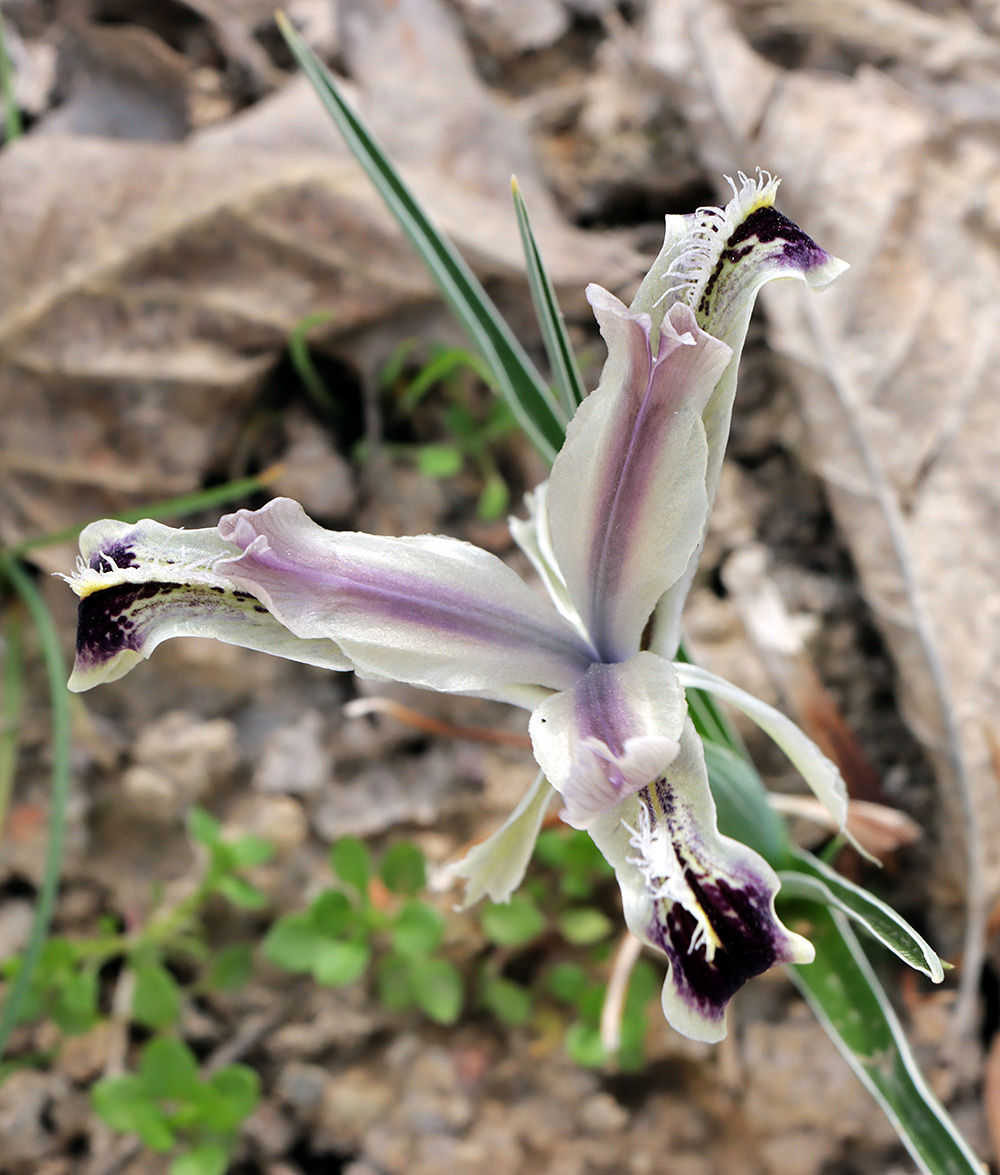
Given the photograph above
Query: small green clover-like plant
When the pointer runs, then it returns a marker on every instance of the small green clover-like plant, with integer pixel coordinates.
(472, 433)
(372, 919)
(172, 1107)
(65, 985)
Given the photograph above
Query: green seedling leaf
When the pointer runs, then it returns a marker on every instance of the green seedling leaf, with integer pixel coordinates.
(513, 924)
(208, 1158)
(293, 942)
(237, 1093)
(583, 927)
(351, 861)
(394, 989)
(494, 499)
(539, 413)
(439, 461)
(841, 988)
(126, 1105)
(437, 989)
(816, 881)
(241, 893)
(247, 851)
(156, 999)
(567, 982)
(583, 1044)
(203, 827)
(72, 1001)
(403, 869)
(338, 963)
(231, 967)
(168, 1069)
(331, 913)
(418, 930)
(508, 1001)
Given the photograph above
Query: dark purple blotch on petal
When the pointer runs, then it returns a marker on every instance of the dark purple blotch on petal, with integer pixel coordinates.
(765, 225)
(741, 918)
(105, 626)
(118, 554)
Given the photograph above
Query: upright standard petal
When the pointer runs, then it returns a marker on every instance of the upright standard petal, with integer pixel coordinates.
(141, 583)
(610, 736)
(705, 901)
(431, 611)
(626, 500)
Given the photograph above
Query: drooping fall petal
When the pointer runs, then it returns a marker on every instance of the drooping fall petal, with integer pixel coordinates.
(611, 735)
(626, 499)
(704, 900)
(431, 611)
(142, 583)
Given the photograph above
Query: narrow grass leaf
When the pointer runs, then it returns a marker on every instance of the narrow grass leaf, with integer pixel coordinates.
(537, 410)
(845, 995)
(813, 880)
(59, 701)
(562, 360)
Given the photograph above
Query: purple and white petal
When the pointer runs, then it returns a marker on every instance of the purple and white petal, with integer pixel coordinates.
(142, 583)
(715, 261)
(626, 499)
(496, 867)
(431, 611)
(610, 736)
(816, 769)
(532, 536)
(704, 900)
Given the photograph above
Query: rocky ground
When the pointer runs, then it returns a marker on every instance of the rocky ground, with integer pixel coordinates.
(176, 206)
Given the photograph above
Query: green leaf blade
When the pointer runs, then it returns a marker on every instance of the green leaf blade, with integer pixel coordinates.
(538, 412)
(846, 997)
(815, 881)
(562, 360)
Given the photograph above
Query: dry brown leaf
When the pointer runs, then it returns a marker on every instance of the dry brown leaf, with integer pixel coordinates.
(897, 369)
(146, 290)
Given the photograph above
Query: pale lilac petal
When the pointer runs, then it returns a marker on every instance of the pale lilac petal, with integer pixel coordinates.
(705, 901)
(532, 536)
(496, 867)
(611, 735)
(626, 498)
(142, 583)
(430, 611)
(816, 769)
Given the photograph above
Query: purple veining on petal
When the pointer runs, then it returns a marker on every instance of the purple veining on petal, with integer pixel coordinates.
(356, 588)
(108, 623)
(762, 227)
(748, 943)
(601, 711)
(738, 907)
(627, 473)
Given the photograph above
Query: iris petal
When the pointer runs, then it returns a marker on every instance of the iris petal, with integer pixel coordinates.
(609, 736)
(626, 500)
(140, 584)
(431, 611)
(703, 900)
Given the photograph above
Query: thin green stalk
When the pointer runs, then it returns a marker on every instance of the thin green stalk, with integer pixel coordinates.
(10, 704)
(168, 508)
(59, 700)
(12, 125)
(298, 352)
